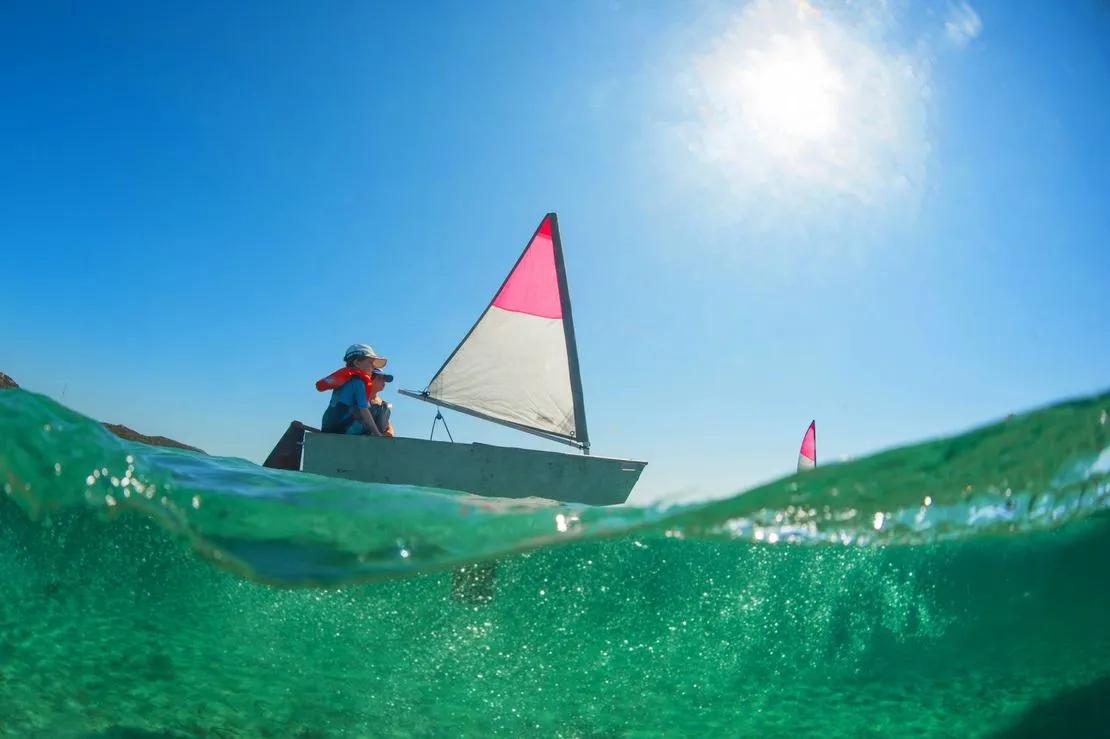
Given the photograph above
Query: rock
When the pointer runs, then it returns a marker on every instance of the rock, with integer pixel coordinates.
(119, 430)
(130, 434)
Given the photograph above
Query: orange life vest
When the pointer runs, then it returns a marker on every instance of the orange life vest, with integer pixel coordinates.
(339, 378)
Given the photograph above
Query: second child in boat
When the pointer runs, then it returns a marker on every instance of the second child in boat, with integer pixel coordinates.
(353, 387)
(380, 409)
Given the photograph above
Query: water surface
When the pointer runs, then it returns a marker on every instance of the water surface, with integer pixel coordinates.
(956, 587)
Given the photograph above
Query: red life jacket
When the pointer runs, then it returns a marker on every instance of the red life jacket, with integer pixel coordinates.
(339, 378)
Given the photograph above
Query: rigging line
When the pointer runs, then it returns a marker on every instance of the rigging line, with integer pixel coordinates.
(439, 417)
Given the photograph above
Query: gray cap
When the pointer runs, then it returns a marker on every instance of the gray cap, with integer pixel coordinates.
(356, 351)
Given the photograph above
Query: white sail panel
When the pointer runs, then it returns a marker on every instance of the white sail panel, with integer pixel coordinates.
(512, 367)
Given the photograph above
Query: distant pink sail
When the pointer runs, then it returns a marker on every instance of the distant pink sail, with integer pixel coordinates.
(807, 455)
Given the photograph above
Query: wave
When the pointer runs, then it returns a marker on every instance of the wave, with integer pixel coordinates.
(1031, 472)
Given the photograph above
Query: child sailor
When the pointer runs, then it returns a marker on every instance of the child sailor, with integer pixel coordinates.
(355, 407)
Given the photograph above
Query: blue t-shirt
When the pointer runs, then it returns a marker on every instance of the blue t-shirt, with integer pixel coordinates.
(352, 393)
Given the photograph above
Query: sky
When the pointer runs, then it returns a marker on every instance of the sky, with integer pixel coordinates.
(886, 216)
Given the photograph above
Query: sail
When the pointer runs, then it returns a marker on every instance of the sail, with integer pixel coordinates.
(807, 455)
(519, 364)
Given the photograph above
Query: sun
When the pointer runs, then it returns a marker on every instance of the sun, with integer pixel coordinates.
(790, 92)
(783, 103)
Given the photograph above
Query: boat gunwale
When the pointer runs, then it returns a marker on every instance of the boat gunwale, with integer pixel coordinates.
(362, 437)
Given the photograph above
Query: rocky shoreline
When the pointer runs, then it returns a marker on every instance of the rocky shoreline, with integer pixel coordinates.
(119, 430)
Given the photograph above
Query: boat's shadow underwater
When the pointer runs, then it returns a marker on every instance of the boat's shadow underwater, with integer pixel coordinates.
(1078, 712)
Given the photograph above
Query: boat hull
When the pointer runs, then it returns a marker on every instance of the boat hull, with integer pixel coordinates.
(482, 469)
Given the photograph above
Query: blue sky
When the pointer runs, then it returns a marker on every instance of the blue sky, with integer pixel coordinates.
(889, 217)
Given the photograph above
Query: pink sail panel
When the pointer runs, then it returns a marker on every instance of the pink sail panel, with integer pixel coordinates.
(807, 455)
(533, 286)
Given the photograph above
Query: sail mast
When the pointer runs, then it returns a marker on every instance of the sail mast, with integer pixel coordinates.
(580, 432)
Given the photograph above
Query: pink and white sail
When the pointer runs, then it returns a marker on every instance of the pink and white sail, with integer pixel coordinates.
(807, 455)
(514, 366)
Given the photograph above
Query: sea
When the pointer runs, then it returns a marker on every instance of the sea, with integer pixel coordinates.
(954, 588)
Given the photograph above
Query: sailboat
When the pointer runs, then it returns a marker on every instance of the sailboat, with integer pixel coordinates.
(517, 367)
(807, 455)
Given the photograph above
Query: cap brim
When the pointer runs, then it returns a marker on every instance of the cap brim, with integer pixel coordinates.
(387, 378)
(380, 362)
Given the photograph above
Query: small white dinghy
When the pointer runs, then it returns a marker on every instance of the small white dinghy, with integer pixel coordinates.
(517, 366)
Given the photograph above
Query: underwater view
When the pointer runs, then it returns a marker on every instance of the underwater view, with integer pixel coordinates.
(951, 588)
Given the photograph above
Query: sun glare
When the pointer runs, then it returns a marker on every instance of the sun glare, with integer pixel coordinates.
(792, 93)
(785, 103)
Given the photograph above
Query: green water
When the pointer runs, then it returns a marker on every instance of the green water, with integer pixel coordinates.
(956, 588)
